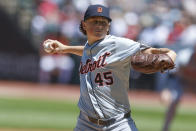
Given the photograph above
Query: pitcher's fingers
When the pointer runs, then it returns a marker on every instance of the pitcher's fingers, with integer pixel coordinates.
(46, 41)
(53, 45)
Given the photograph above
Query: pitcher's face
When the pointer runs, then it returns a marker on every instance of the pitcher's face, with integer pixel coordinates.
(96, 27)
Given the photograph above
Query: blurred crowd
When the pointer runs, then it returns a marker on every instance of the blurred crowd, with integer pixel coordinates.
(158, 23)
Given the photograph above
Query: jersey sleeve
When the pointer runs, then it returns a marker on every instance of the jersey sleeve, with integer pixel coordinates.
(144, 46)
(126, 47)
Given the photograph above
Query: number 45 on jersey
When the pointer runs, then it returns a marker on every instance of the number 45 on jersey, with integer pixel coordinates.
(104, 78)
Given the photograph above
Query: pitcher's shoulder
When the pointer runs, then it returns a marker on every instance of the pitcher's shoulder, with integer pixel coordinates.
(119, 39)
(112, 37)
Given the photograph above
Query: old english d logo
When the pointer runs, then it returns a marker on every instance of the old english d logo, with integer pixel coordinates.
(99, 9)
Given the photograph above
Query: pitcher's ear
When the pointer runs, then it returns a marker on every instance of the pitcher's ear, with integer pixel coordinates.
(108, 30)
(83, 25)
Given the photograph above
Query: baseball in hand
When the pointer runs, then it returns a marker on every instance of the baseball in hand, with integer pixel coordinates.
(48, 47)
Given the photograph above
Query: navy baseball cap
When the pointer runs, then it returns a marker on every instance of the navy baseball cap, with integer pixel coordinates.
(97, 10)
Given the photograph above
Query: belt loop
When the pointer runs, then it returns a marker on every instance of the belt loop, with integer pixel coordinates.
(98, 122)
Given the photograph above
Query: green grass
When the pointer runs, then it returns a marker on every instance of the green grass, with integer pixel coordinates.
(62, 115)
(28, 113)
(152, 118)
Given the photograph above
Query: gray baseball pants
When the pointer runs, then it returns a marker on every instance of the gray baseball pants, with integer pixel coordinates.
(120, 124)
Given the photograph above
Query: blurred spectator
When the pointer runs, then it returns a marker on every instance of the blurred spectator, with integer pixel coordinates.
(178, 28)
(188, 36)
(56, 68)
(170, 87)
(188, 71)
(134, 28)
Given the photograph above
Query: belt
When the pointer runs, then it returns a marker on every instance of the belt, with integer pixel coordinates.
(106, 122)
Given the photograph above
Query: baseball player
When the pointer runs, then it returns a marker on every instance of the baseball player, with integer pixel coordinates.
(104, 72)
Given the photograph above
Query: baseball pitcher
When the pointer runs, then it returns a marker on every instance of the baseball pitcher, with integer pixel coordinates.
(104, 71)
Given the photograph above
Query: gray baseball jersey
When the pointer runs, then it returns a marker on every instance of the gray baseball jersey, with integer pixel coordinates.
(104, 76)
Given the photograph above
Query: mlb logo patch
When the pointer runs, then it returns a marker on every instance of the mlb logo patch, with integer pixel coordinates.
(99, 9)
